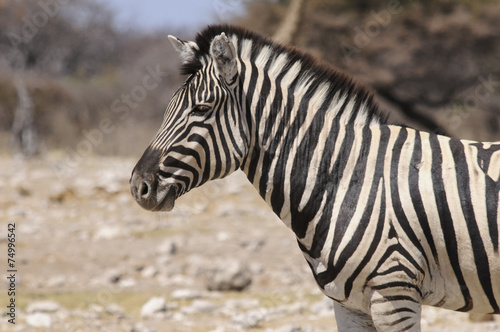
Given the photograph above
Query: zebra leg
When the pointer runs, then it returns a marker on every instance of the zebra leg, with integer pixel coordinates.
(349, 320)
(394, 310)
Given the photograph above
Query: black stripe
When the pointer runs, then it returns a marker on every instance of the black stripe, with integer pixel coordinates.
(400, 284)
(222, 145)
(277, 106)
(187, 152)
(277, 199)
(320, 187)
(378, 231)
(416, 197)
(213, 78)
(278, 109)
(231, 115)
(394, 298)
(398, 310)
(333, 179)
(446, 221)
(406, 328)
(206, 148)
(252, 169)
(348, 208)
(261, 102)
(202, 84)
(299, 174)
(179, 178)
(332, 271)
(480, 255)
(400, 267)
(491, 190)
(264, 91)
(395, 197)
(176, 163)
(245, 105)
(397, 321)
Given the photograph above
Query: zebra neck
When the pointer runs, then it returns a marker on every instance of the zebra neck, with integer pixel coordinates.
(294, 121)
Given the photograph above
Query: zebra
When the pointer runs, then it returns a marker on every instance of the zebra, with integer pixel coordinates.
(388, 218)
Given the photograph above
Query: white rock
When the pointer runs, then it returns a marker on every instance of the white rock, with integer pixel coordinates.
(110, 182)
(228, 275)
(219, 329)
(197, 265)
(250, 319)
(43, 306)
(56, 281)
(127, 283)
(95, 308)
(39, 320)
(114, 309)
(199, 306)
(149, 272)
(295, 308)
(139, 327)
(155, 305)
(223, 236)
(181, 280)
(185, 294)
(109, 233)
(235, 304)
(178, 317)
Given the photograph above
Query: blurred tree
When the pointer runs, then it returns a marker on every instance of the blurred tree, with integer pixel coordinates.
(24, 133)
(47, 40)
(290, 23)
(433, 64)
(60, 39)
(63, 64)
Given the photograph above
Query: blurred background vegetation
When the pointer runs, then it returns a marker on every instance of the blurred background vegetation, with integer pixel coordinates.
(433, 64)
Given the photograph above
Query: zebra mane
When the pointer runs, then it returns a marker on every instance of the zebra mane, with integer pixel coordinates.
(319, 71)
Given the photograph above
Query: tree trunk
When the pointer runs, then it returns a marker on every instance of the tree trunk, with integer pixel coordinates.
(24, 138)
(288, 28)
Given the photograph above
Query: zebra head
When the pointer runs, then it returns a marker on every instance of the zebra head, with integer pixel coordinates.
(203, 135)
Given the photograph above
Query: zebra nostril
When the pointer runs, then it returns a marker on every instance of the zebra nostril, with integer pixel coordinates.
(144, 190)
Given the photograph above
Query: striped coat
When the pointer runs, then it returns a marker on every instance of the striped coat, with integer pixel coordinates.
(387, 217)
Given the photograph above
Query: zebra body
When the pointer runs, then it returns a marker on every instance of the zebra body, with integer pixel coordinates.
(387, 217)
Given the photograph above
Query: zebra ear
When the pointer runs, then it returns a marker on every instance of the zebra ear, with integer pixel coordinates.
(224, 55)
(186, 49)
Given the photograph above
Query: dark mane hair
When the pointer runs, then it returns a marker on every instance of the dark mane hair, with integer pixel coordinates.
(321, 71)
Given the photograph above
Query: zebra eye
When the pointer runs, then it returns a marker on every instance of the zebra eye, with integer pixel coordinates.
(200, 110)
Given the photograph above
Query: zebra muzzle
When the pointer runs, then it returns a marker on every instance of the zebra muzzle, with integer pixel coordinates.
(151, 195)
(167, 196)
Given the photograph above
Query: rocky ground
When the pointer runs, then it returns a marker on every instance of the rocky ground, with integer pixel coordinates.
(89, 259)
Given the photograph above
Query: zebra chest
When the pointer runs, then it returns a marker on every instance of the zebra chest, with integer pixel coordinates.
(331, 287)
(338, 284)
(356, 258)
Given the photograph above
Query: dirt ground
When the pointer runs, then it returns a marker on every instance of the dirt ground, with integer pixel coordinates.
(88, 258)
